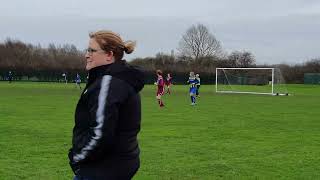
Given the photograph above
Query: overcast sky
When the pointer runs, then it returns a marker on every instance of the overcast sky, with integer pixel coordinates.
(275, 31)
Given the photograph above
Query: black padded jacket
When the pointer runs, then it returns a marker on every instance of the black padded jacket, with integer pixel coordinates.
(107, 122)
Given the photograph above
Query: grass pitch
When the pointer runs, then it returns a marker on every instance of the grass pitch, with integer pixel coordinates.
(225, 136)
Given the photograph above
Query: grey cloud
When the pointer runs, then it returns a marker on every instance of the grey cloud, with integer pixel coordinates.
(275, 31)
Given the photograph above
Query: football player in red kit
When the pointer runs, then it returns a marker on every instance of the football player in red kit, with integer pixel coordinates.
(160, 90)
(168, 83)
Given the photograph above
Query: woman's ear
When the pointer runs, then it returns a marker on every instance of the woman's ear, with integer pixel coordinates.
(109, 56)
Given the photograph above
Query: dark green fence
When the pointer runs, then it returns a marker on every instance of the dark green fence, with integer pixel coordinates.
(43, 76)
(312, 78)
(56, 76)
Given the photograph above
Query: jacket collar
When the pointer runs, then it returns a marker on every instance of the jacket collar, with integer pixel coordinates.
(99, 71)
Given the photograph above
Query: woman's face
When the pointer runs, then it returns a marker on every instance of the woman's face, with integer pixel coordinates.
(95, 56)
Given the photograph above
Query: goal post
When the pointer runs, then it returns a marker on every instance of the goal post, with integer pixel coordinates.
(267, 81)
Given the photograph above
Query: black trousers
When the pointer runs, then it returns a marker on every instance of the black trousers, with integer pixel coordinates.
(115, 170)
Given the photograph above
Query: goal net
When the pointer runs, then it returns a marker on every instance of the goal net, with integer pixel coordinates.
(250, 81)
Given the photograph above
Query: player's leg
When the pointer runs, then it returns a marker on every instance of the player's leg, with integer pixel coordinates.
(160, 102)
(79, 84)
(197, 92)
(161, 94)
(193, 99)
(168, 89)
(158, 97)
(192, 95)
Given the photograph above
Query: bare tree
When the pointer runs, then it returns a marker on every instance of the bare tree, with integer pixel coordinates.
(198, 42)
(312, 66)
(241, 59)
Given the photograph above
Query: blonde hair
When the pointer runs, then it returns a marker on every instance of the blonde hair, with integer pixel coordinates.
(110, 41)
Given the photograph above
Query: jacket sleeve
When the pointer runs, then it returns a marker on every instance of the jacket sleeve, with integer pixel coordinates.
(103, 104)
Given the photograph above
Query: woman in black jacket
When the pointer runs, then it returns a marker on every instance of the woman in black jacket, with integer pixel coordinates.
(108, 114)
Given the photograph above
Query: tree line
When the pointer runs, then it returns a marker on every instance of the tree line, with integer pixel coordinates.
(34, 61)
(198, 51)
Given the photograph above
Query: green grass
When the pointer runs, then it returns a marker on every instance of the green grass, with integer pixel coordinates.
(278, 88)
(225, 136)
